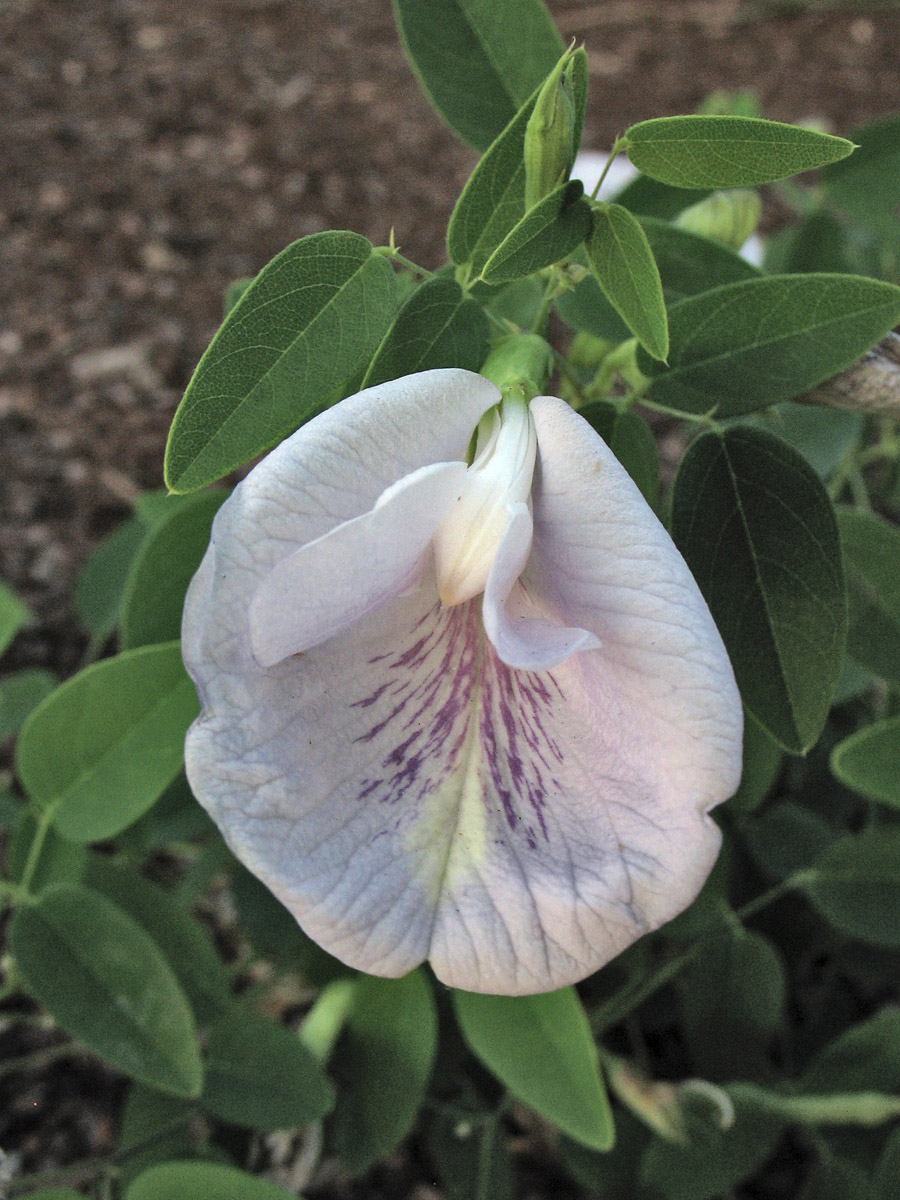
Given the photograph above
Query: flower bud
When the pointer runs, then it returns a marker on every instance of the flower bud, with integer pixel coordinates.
(467, 540)
(726, 217)
(549, 135)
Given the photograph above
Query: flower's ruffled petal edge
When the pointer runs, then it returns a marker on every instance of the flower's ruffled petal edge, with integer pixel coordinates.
(331, 583)
(521, 638)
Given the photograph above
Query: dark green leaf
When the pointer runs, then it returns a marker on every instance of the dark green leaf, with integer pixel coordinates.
(712, 152)
(608, 1176)
(836, 1179)
(185, 944)
(233, 293)
(470, 1154)
(519, 302)
(259, 1074)
(274, 932)
(202, 1181)
(736, 982)
(647, 197)
(541, 1049)
(762, 766)
(869, 762)
(824, 436)
(13, 615)
(437, 327)
(757, 530)
(864, 1058)
(101, 582)
(106, 744)
(546, 234)
(311, 317)
(750, 344)
(689, 264)
(855, 885)
(163, 567)
(872, 564)
(815, 243)
(623, 264)
(787, 838)
(19, 694)
(382, 1065)
(868, 187)
(59, 860)
(711, 1166)
(493, 201)
(105, 982)
(478, 63)
(154, 1128)
(886, 1184)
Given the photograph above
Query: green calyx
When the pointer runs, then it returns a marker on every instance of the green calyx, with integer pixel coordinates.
(520, 364)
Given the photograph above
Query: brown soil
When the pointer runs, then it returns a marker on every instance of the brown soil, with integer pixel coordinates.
(154, 150)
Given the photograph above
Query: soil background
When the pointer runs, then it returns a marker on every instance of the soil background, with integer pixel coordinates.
(155, 150)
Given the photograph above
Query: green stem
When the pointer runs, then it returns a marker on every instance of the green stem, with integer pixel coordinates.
(793, 883)
(551, 291)
(618, 145)
(44, 821)
(705, 419)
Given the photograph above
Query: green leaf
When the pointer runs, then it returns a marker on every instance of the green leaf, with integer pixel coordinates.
(19, 694)
(871, 548)
(762, 760)
(101, 581)
(185, 944)
(311, 317)
(886, 1184)
(163, 567)
(470, 1154)
(58, 861)
(106, 744)
(757, 530)
(383, 1064)
(202, 1181)
(714, 1165)
(541, 1049)
(105, 982)
(817, 242)
(56, 1193)
(478, 63)
(623, 264)
(824, 436)
(736, 982)
(13, 615)
(647, 197)
(713, 152)
(631, 440)
(437, 327)
(259, 1074)
(835, 1178)
(493, 201)
(154, 1128)
(867, 187)
(689, 264)
(750, 344)
(608, 1176)
(855, 885)
(864, 1058)
(787, 838)
(546, 234)
(869, 762)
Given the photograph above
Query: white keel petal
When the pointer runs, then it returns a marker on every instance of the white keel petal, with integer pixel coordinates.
(331, 583)
(521, 637)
